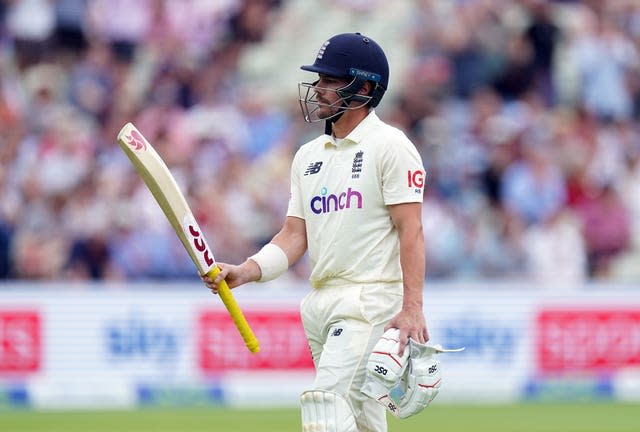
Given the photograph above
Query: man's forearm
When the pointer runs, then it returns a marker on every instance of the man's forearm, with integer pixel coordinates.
(412, 262)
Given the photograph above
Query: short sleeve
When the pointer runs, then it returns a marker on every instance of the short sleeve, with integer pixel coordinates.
(402, 172)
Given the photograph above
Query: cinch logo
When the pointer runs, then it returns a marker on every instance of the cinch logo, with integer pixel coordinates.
(324, 203)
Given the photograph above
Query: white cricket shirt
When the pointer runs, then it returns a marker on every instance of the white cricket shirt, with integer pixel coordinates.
(341, 189)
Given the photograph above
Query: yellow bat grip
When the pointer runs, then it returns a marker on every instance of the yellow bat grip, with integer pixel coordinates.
(240, 321)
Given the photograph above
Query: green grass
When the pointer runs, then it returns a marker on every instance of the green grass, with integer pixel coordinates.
(590, 417)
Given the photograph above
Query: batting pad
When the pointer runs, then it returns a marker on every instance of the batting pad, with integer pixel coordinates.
(326, 411)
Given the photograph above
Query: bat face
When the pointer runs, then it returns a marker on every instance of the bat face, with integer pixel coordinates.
(165, 190)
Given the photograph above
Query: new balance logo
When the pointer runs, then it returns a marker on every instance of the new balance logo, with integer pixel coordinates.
(337, 332)
(314, 168)
(433, 369)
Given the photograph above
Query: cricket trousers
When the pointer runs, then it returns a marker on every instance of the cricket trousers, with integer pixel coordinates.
(342, 324)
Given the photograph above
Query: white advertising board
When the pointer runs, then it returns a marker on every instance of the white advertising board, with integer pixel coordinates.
(121, 346)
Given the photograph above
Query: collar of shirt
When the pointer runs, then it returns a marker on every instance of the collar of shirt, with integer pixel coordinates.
(356, 135)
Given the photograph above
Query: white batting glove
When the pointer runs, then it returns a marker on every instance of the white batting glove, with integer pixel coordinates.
(385, 368)
(422, 379)
(404, 385)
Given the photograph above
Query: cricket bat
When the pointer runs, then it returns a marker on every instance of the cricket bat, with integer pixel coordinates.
(165, 190)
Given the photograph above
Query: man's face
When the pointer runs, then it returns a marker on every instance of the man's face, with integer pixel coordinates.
(329, 101)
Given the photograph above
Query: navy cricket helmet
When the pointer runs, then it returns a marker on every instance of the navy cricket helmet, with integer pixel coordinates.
(356, 57)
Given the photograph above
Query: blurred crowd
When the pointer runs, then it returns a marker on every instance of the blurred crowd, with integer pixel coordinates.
(525, 113)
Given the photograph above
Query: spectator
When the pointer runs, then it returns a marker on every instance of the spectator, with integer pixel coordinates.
(5, 246)
(607, 228)
(31, 24)
(91, 83)
(604, 57)
(555, 251)
(121, 23)
(517, 75)
(629, 186)
(69, 30)
(534, 187)
(514, 141)
(543, 34)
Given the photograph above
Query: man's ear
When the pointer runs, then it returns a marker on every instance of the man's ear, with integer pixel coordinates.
(366, 88)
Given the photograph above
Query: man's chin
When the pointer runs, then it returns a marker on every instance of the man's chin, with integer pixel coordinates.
(324, 115)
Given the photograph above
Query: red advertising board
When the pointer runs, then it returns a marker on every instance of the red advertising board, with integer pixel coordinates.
(20, 341)
(282, 342)
(575, 340)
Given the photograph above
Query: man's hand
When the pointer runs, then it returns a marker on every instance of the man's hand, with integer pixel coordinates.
(235, 275)
(411, 323)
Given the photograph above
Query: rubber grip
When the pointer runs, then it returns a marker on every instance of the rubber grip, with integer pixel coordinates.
(237, 316)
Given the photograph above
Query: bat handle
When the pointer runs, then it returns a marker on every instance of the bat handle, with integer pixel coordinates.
(237, 316)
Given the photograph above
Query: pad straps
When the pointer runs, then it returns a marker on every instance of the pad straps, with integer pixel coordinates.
(326, 411)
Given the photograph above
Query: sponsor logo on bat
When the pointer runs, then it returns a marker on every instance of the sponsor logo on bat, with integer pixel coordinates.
(136, 140)
(196, 238)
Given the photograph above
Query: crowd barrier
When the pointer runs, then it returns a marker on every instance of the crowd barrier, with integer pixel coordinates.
(70, 346)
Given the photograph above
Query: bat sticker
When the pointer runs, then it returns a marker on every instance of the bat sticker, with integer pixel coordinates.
(194, 234)
(136, 140)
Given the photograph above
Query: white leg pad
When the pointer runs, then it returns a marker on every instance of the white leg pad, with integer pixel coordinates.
(326, 411)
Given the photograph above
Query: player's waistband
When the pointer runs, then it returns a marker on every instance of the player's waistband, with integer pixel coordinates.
(339, 282)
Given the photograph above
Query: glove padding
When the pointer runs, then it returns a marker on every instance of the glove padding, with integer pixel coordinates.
(411, 382)
(421, 382)
(385, 367)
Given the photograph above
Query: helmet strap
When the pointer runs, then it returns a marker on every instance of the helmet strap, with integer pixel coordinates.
(376, 95)
(328, 126)
(348, 94)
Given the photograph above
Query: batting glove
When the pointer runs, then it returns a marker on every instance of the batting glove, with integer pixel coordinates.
(385, 368)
